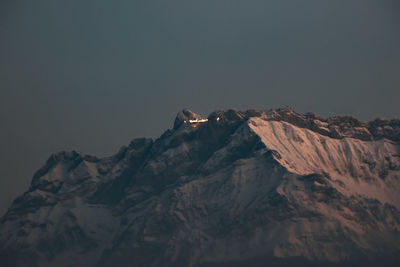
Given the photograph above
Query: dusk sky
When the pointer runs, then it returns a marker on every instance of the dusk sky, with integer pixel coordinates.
(92, 75)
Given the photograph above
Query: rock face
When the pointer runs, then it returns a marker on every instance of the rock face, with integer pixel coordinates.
(253, 188)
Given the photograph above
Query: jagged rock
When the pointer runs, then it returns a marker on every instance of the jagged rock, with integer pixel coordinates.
(185, 115)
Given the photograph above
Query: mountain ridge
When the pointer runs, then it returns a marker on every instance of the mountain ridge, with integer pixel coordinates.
(256, 186)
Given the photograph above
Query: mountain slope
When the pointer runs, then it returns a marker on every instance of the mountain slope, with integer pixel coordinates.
(259, 187)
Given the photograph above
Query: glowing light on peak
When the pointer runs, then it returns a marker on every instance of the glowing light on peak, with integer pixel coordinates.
(196, 121)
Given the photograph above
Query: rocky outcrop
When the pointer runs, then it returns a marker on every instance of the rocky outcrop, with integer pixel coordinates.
(184, 116)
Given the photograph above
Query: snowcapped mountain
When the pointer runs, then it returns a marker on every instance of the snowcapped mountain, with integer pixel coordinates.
(253, 188)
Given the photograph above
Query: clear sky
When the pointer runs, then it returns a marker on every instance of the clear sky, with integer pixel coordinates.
(91, 75)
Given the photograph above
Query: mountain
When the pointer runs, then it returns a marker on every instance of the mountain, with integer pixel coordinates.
(254, 188)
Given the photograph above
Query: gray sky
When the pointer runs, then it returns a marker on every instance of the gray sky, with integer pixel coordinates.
(92, 75)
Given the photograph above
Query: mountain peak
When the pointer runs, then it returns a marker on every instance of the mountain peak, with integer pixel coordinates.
(185, 115)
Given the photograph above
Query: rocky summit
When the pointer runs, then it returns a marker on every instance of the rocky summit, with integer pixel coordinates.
(253, 188)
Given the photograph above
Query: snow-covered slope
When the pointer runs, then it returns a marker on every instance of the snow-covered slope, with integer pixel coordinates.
(371, 169)
(257, 188)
